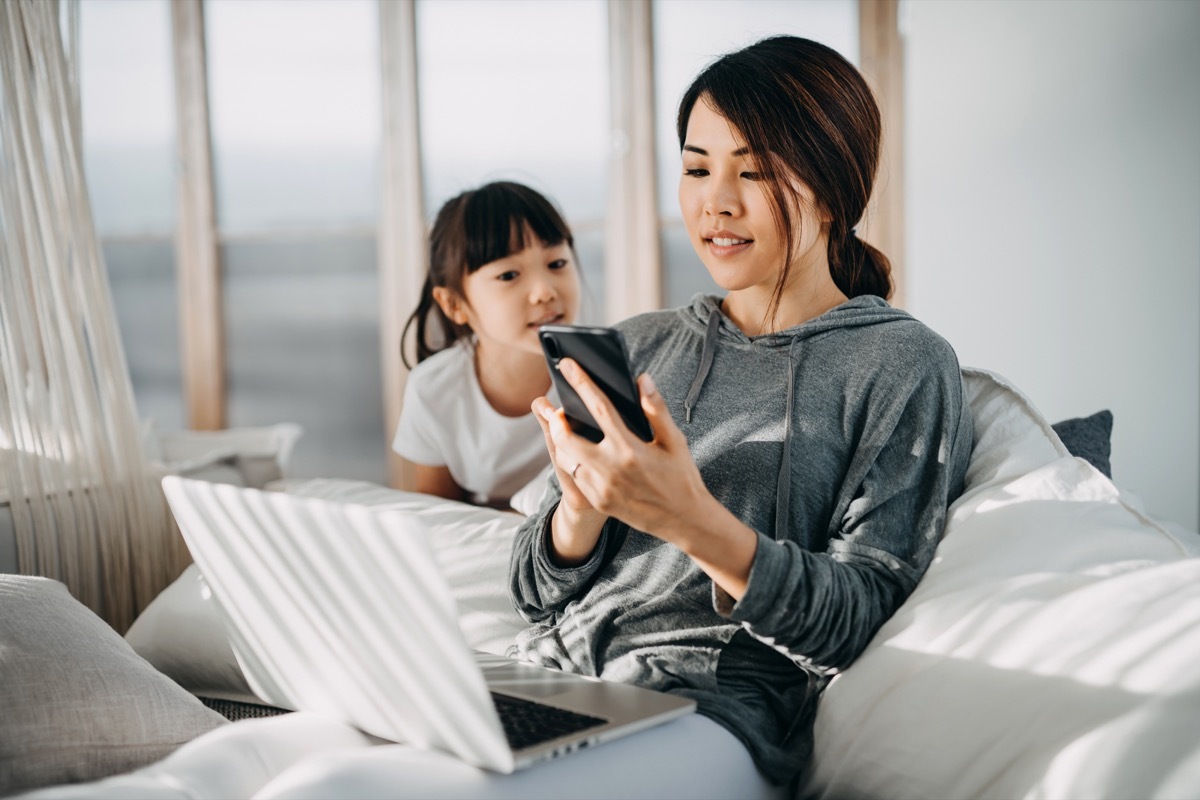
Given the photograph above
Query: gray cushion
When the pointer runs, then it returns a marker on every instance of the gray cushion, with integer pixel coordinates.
(76, 703)
(1089, 438)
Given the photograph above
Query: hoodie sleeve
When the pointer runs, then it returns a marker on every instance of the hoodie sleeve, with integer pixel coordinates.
(538, 587)
(824, 607)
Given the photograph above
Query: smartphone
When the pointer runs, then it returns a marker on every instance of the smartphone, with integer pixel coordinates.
(601, 353)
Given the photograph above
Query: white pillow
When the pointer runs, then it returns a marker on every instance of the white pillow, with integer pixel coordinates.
(1049, 651)
(241, 456)
(529, 500)
(182, 634)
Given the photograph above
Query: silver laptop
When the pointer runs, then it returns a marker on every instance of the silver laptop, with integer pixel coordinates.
(340, 610)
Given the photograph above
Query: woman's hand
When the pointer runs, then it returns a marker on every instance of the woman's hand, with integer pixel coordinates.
(652, 486)
(576, 525)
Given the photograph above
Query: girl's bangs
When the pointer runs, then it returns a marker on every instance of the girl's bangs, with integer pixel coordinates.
(499, 223)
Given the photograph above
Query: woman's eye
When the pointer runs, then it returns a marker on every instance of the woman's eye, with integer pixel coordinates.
(696, 173)
(510, 275)
(752, 176)
(559, 263)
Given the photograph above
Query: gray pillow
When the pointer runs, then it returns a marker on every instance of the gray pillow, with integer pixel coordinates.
(76, 703)
(1089, 438)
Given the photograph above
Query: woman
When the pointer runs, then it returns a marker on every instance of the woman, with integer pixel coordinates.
(808, 437)
(808, 440)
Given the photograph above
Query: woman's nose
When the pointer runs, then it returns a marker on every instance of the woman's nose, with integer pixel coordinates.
(722, 200)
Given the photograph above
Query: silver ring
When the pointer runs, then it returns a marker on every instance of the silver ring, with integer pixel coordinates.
(575, 469)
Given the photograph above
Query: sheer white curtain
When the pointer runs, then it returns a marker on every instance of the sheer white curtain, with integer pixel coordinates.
(85, 506)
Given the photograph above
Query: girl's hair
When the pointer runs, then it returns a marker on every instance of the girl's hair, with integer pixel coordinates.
(804, 111)
(475, 228)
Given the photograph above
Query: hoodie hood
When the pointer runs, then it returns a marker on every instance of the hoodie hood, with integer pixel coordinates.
(705, 313)
(866, 309)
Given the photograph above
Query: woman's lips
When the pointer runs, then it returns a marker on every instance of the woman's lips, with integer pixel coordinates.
(725, 247)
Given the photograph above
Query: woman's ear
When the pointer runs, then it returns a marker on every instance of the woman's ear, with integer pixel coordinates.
(453, 306)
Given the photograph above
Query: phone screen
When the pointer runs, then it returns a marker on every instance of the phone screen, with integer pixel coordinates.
(601, 353)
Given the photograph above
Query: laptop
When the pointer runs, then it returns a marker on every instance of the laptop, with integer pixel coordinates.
(340, 610)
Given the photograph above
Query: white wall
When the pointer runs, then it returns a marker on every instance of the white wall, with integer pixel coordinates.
(1053, 168)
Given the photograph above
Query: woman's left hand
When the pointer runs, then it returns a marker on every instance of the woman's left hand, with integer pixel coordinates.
(651, 486)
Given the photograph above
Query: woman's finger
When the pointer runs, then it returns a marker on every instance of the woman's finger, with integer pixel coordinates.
(654, 406)
(601, 408)
(567, 450)
(542, 410)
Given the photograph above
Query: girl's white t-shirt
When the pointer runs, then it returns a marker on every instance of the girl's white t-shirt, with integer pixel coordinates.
(447, 421)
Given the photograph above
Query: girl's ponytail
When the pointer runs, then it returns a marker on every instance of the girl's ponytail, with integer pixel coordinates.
(428, 312)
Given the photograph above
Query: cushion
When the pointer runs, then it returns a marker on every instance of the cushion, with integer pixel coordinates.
(1089, 438)
(1049, 650)
(182, 633)
(77, 703)
(252, 456)
(529, 499)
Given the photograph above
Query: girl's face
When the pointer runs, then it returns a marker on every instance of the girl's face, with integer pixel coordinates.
(506, 300)
(727, 209)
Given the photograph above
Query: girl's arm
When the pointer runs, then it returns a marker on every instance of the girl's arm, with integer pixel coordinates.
(438, 481)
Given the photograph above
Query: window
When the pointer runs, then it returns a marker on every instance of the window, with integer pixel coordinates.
(518, 91)
(294, 102)
(127, 103)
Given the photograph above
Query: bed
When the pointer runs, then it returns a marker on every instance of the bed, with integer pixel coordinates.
(1049, 651)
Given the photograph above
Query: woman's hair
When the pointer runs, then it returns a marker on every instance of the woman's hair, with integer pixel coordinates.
(804, 111)
(475, 228)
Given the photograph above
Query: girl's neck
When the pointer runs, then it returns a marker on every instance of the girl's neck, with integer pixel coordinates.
(510, 379)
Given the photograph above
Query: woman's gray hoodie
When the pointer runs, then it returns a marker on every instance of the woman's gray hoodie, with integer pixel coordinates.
(841, 441)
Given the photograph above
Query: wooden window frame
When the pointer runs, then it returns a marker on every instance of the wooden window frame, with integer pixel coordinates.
(881, 53)
(197, 256)
(402, 251)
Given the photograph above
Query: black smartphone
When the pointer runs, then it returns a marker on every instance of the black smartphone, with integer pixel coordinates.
(601, 353)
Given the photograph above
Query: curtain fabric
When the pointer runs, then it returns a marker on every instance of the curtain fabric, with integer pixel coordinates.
(86, 507)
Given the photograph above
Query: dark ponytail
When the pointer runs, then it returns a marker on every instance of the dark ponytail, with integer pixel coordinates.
(475, 228)
(804, 111)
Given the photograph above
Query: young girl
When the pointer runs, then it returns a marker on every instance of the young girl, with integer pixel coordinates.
(502, 262)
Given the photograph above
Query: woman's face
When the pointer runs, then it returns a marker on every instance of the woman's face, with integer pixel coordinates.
(727, 209)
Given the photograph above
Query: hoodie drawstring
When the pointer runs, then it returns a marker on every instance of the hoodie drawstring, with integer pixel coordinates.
(706, 359)
(783, 489)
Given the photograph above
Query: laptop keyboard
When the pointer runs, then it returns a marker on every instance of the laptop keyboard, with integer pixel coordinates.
(527, 723)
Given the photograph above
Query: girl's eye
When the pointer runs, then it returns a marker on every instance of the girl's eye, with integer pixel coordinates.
(560, 263)
(696, 173)
(752, 176)
(510, 275)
